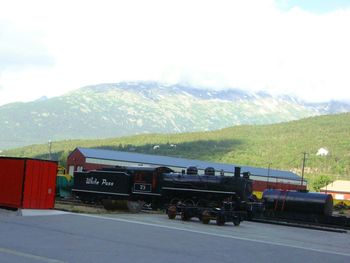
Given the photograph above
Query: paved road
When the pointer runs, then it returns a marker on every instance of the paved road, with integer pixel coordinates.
(154, 238)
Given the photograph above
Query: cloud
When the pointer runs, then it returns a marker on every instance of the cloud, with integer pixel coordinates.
(21, 49)
(53, 47)
(314, 6)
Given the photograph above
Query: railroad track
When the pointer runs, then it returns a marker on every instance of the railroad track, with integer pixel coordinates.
(76, 202)
(265, 220)
(71, 202)
(303, 224)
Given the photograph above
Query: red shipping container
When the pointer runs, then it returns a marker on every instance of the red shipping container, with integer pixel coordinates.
(27, 183)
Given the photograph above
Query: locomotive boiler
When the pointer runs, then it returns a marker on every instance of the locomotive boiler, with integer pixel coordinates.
(193, 189)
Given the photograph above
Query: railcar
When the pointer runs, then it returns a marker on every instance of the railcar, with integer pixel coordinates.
(136, 185)
(301, 206)
(298, 202)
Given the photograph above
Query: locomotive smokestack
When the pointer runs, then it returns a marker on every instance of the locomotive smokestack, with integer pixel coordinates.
(237, 171)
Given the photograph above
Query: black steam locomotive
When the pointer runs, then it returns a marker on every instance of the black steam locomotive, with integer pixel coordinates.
(206, 196)
(160, 187)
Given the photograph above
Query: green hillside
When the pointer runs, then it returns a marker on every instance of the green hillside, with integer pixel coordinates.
(282, 145)
(129, 108)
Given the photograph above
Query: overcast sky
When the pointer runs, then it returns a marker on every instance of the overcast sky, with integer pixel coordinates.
(297, 47)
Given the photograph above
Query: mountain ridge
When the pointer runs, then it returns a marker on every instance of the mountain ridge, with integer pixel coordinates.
(128, 108)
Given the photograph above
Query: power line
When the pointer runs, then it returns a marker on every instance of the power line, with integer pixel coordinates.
(1, 140)
(50, 145)
(293, 161)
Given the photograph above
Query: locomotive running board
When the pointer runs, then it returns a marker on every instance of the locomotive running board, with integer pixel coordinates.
(143, 193)
(196, 190)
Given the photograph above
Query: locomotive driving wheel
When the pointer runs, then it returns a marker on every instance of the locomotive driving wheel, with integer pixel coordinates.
(185, 216)
(110, 204)
(171, 212)
(236, 220)
(220, 219)
(205, 218)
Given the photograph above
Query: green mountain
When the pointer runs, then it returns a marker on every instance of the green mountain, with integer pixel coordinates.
(129, 108)
(281, 145)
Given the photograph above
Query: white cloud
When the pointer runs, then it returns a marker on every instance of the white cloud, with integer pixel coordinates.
(224, 43)
(21, 49)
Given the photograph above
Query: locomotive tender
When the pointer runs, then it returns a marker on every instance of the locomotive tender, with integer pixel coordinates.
(160, 186)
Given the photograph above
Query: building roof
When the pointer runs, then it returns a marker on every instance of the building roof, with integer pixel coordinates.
(181, 162)
(340, 186)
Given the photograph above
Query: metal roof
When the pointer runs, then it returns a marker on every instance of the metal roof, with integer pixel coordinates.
(181, 162)
(337, 186)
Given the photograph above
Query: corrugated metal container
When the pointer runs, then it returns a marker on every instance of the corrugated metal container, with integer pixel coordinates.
(27, 183)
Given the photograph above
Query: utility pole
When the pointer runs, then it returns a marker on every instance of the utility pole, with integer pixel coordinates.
(268, 176)
(50, 144)
(302, 170)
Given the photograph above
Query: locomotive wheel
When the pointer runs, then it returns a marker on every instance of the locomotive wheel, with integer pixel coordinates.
(205, 217)
(249, 216)
(172, 212)
(185, 216)
(134, 206)
(109, 204)
(236, 221)
(220, 220)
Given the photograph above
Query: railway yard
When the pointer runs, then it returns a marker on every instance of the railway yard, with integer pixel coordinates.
(94, 236)
(167, 217)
